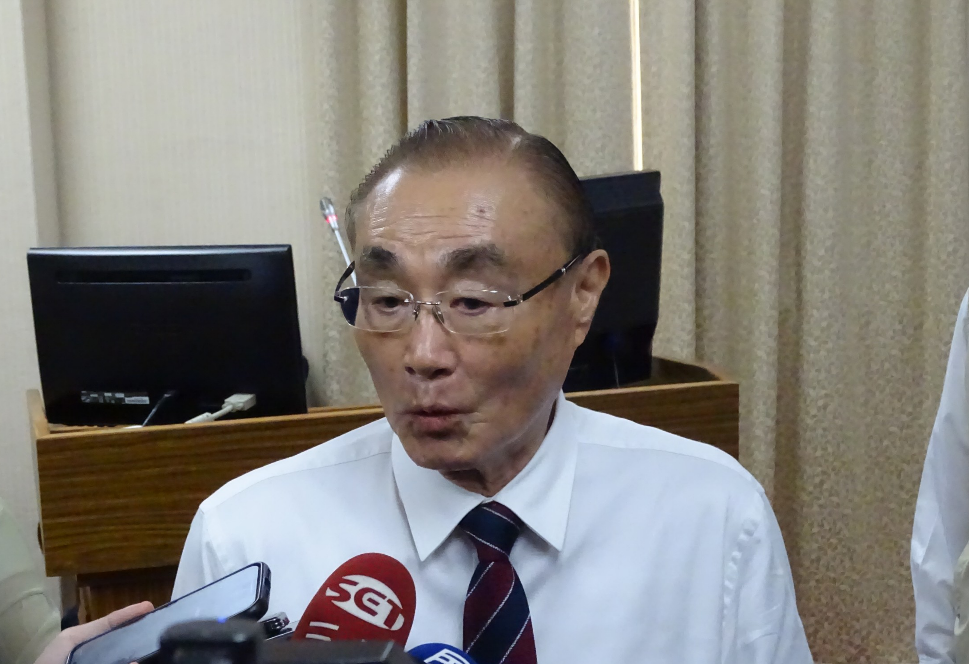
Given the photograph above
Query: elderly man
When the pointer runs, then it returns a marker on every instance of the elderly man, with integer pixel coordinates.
(535, 530)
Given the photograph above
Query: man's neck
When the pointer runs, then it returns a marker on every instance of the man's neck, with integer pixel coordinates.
(494, 477)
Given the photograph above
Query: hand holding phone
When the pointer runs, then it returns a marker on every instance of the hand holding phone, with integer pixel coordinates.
(242, 594)
(57, 650)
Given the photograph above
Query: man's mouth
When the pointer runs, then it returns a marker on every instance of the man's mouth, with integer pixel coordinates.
(434, 419)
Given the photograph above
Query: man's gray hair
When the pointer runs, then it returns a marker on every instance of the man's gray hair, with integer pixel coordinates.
(469, 139)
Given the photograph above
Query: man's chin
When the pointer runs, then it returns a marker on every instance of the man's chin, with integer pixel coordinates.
(444, 456)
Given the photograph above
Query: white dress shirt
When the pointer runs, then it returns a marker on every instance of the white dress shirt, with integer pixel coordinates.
(941, 530)
(640, 546)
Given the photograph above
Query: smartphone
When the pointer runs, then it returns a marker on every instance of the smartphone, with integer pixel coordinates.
(242, 594)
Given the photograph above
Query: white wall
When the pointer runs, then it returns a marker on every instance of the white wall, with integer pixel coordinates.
(28, 216)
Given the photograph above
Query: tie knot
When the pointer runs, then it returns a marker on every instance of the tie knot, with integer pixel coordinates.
(493, 528)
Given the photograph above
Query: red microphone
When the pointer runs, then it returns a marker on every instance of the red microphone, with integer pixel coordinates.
(370, 596)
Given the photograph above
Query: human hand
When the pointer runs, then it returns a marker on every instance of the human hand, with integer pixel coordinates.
(57, 651)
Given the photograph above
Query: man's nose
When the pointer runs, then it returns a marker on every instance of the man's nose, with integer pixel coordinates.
(430, 350)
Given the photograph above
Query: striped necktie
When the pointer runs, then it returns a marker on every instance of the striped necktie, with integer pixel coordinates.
(497, 623)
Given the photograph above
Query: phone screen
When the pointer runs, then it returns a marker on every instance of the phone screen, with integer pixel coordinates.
(225, 598)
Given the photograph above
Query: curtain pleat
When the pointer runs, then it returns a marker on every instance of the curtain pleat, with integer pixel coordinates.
(822, 267)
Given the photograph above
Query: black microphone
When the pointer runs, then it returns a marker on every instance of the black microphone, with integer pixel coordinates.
(241, 642)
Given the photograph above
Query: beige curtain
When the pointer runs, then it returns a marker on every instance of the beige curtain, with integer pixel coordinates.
(816, 173)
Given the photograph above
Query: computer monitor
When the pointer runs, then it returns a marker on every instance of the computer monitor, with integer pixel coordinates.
(628, 211)
(118, 327)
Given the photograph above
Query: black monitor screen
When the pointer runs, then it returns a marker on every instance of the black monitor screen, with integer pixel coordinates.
(118, 327)
(628, 213)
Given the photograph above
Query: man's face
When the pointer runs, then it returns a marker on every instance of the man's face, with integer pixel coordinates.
(461, 402)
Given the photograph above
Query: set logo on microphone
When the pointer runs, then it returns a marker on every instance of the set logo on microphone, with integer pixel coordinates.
(369, 597)
(369, 600)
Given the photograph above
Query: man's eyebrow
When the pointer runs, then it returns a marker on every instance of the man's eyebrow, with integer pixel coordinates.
(478, 256)
(378, 259)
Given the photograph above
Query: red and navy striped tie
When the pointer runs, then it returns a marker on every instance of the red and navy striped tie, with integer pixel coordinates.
(497, 623)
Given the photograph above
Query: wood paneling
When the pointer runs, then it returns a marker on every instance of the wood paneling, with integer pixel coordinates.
(116, 503)
(121, 499)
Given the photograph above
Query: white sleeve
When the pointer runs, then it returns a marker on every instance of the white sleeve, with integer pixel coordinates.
(768, 627)
(941, 529)
(200, 564)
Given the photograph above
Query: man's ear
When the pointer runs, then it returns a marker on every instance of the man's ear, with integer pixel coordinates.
(592, 274)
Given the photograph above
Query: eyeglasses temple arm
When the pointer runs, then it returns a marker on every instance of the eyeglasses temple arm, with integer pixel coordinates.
(346, 274)
(555, 276)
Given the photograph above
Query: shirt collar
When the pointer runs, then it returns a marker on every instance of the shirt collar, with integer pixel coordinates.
(540, 494)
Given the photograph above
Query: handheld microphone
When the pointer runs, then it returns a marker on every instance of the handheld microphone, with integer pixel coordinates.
(370, 597)
(439, 653)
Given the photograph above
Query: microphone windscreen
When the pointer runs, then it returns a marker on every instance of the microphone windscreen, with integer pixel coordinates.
(370, 596)
(440, 653)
